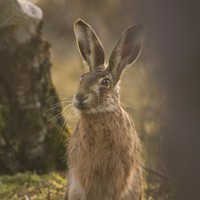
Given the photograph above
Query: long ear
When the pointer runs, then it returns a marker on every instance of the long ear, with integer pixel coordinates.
(126, 51)
(89, 44)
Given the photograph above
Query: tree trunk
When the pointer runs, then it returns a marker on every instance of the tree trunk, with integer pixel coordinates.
(27, 140)
(175, 44)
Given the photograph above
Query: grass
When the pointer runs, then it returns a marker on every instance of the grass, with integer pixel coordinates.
(30, 186)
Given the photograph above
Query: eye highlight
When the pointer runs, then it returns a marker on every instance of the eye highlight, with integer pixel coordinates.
(105, 82)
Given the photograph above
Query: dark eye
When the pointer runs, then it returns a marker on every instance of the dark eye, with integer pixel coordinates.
(105, 82)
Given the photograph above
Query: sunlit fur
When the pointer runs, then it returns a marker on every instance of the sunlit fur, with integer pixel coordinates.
(104, 156)
(104, 152)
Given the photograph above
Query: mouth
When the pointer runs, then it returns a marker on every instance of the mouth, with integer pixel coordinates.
(81, 106)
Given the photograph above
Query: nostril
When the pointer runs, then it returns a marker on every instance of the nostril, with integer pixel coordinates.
(84, 98)
(81, 97)
(81, 100)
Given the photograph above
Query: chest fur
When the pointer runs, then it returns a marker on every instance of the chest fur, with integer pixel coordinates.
(102, 155)
(101, 147)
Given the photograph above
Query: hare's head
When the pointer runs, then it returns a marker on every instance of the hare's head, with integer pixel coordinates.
(98, 89)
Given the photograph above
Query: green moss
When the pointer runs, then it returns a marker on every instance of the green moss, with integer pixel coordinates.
(35, 187)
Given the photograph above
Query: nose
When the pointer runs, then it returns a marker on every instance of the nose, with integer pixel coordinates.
(81, 98)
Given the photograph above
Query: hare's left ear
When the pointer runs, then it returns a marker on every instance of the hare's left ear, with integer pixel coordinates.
(89, 44)
(126, 51)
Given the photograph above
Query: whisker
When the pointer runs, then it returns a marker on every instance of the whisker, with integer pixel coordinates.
(128, 104)
(61, 113)
(58, 105)
(55, 106)
(65, 122)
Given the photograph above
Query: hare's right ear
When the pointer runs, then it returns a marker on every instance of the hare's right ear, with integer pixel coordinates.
(126, 51)
(89, 44)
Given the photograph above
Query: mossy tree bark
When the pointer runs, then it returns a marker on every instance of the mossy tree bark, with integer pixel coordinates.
(27, 140)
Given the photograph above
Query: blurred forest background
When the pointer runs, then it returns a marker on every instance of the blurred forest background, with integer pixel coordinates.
(161, 91)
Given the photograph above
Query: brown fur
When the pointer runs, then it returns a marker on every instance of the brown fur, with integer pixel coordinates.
(104, 152)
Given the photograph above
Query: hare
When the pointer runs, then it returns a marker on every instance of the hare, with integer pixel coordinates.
(104, 152)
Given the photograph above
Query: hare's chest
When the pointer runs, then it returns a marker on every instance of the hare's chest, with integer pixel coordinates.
(100, 148)
(99, 154)
(100, 161)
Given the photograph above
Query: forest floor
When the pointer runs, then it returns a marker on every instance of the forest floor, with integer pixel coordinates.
(30, 186)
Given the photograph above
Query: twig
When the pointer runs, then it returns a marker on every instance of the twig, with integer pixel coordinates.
(26, 197)
(48, 194)
(150, 170)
